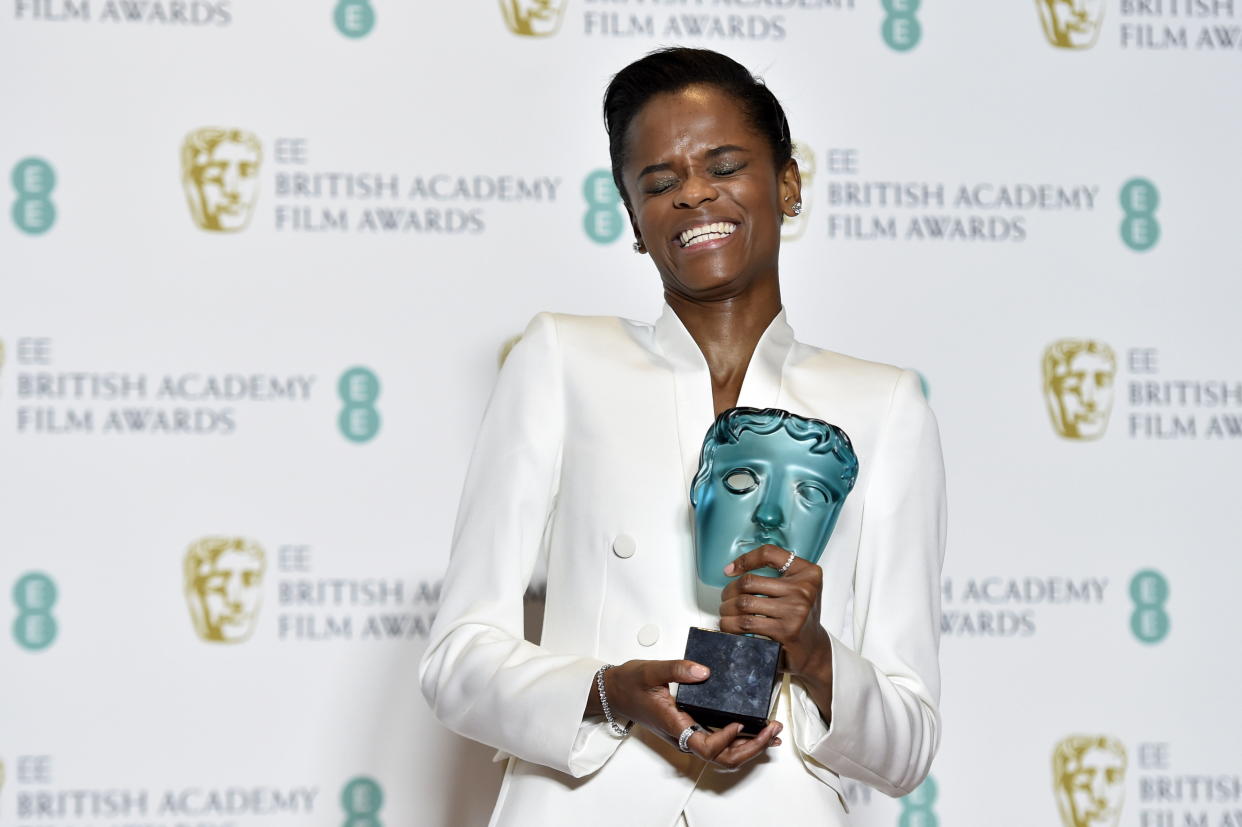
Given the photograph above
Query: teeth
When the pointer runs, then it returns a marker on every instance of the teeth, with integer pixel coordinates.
(707, 232)
(699, 239)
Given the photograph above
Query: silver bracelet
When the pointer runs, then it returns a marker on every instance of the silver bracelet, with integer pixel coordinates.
(617, 729)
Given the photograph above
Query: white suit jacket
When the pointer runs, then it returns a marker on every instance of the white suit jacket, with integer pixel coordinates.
(580, 480)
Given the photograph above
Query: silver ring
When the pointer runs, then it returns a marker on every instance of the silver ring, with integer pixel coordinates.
(683, 740)
(781, 571)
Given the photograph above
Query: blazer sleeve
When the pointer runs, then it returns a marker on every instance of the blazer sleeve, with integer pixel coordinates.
(482, 679)
(885, 719)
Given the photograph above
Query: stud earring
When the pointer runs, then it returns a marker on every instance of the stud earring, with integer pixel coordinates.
(638, 247)
(797, 208)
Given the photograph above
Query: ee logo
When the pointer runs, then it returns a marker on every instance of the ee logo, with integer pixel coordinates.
(1139, 229)
(359, 420)
(901, 29)
(603, 221)
(33, 211)
(35, 628)
(916, 808)
(361, 800)
(1149, 591)
(354, 18)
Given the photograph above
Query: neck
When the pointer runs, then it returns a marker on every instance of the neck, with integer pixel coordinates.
(727, 331)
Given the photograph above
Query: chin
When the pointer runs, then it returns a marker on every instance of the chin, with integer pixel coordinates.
(711, 286)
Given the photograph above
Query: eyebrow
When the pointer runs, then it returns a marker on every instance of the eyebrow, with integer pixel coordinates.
(711, 153)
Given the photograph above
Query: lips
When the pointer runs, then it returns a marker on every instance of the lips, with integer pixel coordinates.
(705, 232)
(762, 538)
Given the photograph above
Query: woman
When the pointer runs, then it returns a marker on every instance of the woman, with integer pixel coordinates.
(580, 480)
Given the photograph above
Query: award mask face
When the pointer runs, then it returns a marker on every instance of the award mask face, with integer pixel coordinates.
(768, 477)
(223, 576)
(1078, 386)
(1089, 780)
(1071, 24)
(533, 18)
(220, 173)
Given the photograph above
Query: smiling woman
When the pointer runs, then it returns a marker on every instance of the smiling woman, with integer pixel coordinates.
(702, 166)
(701, 154)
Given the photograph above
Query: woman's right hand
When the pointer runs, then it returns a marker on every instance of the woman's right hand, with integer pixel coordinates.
(638, 691)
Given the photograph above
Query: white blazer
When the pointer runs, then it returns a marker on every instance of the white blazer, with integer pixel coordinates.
(580, 481)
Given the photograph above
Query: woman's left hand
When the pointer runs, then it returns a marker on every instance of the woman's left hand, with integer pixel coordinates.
(785, 609)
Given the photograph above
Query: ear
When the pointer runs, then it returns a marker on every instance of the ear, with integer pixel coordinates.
(638, 237)
(789, 182)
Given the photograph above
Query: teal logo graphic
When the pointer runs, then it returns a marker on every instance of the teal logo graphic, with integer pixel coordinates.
(361, 800)
(1139, 229)
(354, 18)
(34, 628)
(358, 389)
(916, 808)
(1149, 591)
(901, 29)
(603, 221)
(33, 211)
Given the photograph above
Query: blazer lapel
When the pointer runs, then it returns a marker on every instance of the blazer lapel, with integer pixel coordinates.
(692, 387)
(761, 387)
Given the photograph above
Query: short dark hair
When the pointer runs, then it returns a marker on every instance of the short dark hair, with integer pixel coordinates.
(673, 69)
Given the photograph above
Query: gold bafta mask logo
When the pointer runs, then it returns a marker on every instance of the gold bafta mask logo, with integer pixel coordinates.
(1071, 24)
(792, 228)
(220, 173)
(1088, 775)
(223, 580)
(533, 18)
(1078, 387)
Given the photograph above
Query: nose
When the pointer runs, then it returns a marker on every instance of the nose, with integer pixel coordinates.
(1089, 391)
(695, 191)
(233, 591)
(1099, 791)
(231, 180)
(769, 513)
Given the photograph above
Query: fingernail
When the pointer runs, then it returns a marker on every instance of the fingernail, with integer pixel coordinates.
(698, 671)
(779, 727)
(729, 569)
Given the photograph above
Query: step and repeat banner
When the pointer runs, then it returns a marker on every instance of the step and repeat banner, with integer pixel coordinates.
(258, 263)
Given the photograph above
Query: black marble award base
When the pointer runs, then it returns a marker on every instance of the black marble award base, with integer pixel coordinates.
(744, 675)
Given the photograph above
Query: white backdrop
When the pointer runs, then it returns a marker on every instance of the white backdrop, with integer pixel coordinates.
(397, 175)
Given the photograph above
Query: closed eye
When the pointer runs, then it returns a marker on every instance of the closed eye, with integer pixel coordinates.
(660, 185)
(814, 494)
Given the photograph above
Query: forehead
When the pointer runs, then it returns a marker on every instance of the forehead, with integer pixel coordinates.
(1086, 360)
(232, 151)
(777, 449)
(696, 118)
(1099, 757)
(235, 560)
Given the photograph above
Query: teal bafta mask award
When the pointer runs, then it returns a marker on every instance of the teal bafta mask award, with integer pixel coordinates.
(766, 477)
